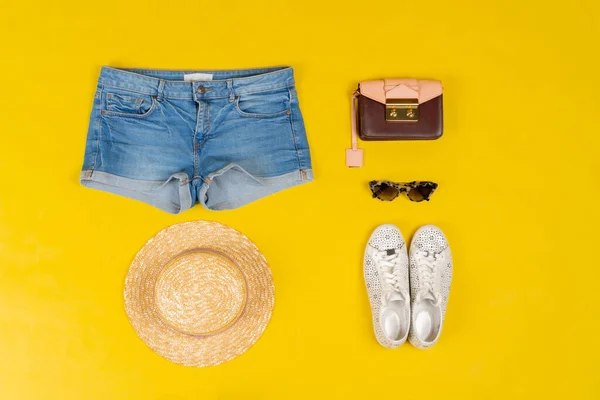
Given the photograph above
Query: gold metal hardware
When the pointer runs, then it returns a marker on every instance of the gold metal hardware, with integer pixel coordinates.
(402, 110)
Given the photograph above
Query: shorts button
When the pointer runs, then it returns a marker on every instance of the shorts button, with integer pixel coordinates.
(201, 89)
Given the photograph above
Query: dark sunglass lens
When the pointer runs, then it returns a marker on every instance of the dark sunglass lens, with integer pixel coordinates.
(415, 195)
(425, 191)
(385, 192)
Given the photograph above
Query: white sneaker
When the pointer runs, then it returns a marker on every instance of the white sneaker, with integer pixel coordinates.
(430, 278)
(386, 277)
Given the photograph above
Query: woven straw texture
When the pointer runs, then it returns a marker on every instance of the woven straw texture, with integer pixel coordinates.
(199, 293)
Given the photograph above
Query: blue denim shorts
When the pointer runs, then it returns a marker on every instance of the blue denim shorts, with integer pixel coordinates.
(174, 138)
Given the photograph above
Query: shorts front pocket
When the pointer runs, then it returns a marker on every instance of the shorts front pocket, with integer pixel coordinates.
(128, 104)
(264, 104)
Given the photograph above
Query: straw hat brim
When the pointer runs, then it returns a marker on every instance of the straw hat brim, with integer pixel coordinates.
(189, 349)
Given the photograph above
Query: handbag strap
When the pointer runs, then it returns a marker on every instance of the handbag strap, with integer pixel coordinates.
(354, 134)
(354, 156)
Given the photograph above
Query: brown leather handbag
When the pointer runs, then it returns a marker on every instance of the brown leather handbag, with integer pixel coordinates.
(395, 109)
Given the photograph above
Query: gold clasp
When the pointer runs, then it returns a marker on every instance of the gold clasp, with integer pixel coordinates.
(402, 110)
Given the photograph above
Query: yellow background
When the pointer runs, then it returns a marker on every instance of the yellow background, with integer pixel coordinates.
(519, 182)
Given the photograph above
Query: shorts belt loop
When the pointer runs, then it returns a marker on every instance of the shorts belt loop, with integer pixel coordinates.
(161, 88)
(230, 88)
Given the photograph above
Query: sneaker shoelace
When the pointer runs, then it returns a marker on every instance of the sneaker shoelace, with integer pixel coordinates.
(428, 267)
(387, 264)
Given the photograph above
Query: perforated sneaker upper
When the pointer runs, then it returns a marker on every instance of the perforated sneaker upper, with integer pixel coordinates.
(386, 278)
(430, 277)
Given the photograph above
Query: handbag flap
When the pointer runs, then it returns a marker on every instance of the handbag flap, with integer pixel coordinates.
(382, 89)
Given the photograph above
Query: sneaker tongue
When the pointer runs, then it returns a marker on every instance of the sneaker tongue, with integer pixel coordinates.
(395, 296)
(428, 296)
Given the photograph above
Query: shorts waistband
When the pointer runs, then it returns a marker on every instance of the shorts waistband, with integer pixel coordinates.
(224, 83)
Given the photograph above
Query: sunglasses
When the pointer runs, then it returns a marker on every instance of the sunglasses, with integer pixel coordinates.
(415, 191)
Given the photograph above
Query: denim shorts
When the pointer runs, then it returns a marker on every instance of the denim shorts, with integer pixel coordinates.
(174, 138)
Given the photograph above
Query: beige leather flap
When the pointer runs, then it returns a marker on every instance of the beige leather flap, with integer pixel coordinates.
(379, 90)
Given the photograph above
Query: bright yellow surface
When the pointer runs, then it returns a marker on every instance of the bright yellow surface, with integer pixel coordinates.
(519, 184)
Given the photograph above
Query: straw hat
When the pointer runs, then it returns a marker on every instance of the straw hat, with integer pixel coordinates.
(199, 293)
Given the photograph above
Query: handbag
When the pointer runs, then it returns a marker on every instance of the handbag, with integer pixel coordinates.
(395, 109)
